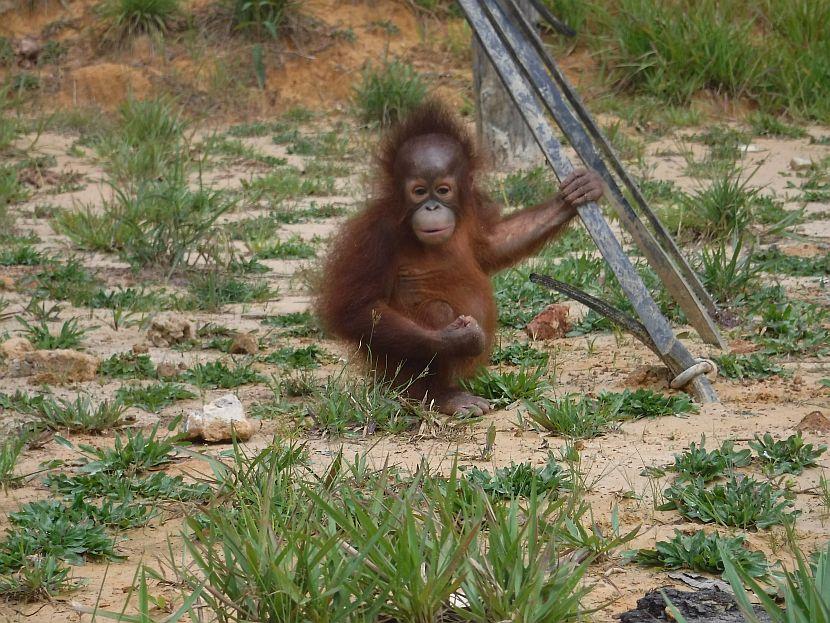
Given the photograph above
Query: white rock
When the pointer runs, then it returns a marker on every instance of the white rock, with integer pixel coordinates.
(220, 420)
(752, 148)
(799, 164)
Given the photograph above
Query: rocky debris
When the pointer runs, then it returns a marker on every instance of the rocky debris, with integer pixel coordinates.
(709, 605)
(220, 420)
(28, 49)
(800, 164)
(141, 348)
(656, 377)
(168, 370)
(167, 329)
(55, 366)
(15, 348)
(814, 422)
(552, 323)
(244, 344)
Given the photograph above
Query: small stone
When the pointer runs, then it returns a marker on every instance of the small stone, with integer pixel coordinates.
(55, 366)
(220, 420)
(752, 148)
(29, 48)
(167, 329)
(167, 371)
(800, 164)
(141, 348)
(15, 348)
(814, 422)
(552, 323)
(244, 344)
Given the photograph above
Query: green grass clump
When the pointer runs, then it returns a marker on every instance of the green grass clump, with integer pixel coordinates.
(642, 403)
(519, 354)
(346, 405)
(411, 542)
(262, 18)
(791, 327)
(41, 337)
(698, 463)
(10, 450)
(286, 183)
(786, 456)
(310, 356)
(774, 261)
(506, 387)
(293, 248)
(572, 416)
(739, 502)
(704, 553)
(153, 398)
(132, 453)
(764, 124)
(752, 366)
(164, 224)
(213, 289)
(520, 479)
(42, 579)
(523, 189)
(65, 282)
(727, 273)
(387, 93)
(80, 415)
(128, 365)
(217, 374)
(129, 18)
(806, 589)
(21, 255)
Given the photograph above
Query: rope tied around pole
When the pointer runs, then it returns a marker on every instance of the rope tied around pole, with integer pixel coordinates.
(703, 366)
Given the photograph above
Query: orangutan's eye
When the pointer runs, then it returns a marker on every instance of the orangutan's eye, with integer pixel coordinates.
(443, 190)
(419, 191)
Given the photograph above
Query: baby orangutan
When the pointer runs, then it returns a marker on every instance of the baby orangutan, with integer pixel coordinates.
(408, 278)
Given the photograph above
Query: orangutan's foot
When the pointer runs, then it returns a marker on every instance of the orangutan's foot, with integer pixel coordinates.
(461, 404)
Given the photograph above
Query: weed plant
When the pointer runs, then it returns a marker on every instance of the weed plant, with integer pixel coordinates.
(293, 248)
(380, 547)
(786, 456)
(699, 464)
(295, 324)
(704, 553)
(503, 388)
(521, 479)
(79, 415)
(739, 502)
(752, 366)
(310, 356)
(571, 416)
(774, 261)
(286, 183)
(806, 589)
(133, 452)
(348, 405)
(217, 374)
(792, 327)
(765, 124)
(156, 486)
(385, 94)
(21, 255)
(128, 365)
(41, 337)
(522, 189)
(263, 18)
(726, 273)
(10, 449)
(213, 289)
(129, 18)
(519, 354)
(42, 578)
(643, 403)
(153, 398)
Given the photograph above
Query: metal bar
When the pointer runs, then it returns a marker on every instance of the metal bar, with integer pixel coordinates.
(557, 24)
(617, 316)
(581, 141)
(673, 353)
(662, 235)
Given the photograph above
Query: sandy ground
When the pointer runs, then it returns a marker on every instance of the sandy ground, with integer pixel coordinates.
(613, 462)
